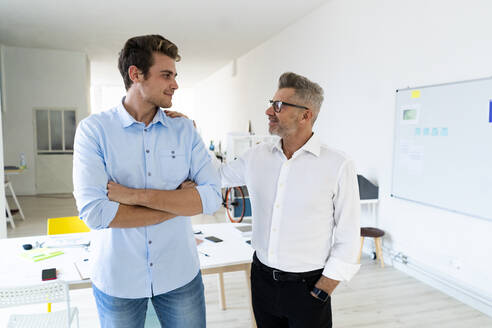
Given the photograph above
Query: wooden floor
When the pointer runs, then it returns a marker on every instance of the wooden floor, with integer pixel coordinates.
(383, 298)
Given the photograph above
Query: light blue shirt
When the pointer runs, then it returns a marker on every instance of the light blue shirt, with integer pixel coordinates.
(144, 261)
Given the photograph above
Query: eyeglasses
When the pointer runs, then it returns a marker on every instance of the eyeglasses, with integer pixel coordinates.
(277, 105)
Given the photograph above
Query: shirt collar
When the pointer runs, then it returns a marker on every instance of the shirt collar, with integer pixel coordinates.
(127, 120)
(313, 145)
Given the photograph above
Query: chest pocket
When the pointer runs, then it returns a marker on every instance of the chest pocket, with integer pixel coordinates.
(174, 167)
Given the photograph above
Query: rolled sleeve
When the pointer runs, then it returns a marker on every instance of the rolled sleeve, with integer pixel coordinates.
(90, 180)
(99, 214)
(339, 270)
(342, 263)
(210, 199)
(204, 174)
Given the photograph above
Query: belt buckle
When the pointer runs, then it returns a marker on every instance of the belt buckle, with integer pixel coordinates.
(276, 275)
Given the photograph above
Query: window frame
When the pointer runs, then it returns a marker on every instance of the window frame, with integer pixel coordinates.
(50, 151)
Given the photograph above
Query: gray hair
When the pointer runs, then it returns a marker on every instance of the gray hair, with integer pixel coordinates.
(305, 90)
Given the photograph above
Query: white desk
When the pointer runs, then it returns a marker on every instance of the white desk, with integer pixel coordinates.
(232, 254)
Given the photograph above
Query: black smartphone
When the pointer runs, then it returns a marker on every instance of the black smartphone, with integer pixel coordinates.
(214, 239)
(48, 274)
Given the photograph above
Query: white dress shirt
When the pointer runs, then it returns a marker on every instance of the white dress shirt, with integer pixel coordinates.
(305, 210)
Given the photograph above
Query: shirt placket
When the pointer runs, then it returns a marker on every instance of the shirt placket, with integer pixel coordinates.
(147, 142)
(278, 207)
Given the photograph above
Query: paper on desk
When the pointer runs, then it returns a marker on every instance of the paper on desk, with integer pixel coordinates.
(65, 241)
(38, 254)
(83, 268)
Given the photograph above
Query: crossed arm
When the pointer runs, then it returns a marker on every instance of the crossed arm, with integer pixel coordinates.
(141, 207)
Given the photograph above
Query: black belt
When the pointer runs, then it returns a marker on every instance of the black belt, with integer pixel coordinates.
(279, 275)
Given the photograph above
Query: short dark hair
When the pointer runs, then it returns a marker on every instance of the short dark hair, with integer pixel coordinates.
(138, 51)
(305, 90)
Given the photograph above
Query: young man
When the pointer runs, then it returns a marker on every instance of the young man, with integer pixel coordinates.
(144, 248)
(305, 203)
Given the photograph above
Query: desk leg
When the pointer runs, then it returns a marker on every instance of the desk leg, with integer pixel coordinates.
(220, 285)
(10, 218)
(9, 184)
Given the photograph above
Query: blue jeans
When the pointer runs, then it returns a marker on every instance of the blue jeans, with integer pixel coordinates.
(183, 307)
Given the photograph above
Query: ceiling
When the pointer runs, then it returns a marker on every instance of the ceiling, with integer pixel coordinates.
(208, 33)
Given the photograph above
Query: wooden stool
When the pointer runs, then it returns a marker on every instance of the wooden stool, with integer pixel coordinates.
(376, 234)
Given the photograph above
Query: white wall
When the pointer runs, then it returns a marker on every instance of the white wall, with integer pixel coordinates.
(3, 221)
(361, 52)
(39, 78)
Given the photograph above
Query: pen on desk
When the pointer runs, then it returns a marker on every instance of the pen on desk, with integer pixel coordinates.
(204, 253)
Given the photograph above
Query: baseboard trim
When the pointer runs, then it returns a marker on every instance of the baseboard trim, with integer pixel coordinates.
(437, 280)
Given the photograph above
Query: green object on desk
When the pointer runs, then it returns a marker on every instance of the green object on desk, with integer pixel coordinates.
(39, 254)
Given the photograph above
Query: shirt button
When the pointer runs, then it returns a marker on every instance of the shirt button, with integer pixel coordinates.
(172, 151)
(145, 130)
(147, 151)
(150, 242)
(174, 156)
(149, 174)
(151, 264)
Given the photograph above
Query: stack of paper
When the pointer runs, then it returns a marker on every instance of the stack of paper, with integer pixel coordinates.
(83, 268)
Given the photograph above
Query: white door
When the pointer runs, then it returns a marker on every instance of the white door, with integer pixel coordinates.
(55, 131)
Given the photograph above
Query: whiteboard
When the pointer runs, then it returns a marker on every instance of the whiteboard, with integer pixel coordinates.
(443, 147)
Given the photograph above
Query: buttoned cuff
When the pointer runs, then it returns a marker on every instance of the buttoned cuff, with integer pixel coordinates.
(210, 199)
(339, 270)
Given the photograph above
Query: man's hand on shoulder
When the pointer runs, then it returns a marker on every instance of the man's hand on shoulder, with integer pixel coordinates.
(122, 194)
(174, 114)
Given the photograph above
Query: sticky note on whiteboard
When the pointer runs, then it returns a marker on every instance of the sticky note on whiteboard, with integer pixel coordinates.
(415, 93)
(490, 111)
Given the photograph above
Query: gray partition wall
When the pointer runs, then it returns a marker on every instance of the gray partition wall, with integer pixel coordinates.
(443, 146)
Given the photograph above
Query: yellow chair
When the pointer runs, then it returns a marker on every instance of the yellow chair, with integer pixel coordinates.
(69, 224)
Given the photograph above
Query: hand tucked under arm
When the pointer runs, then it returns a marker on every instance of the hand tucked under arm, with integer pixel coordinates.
(122, 194)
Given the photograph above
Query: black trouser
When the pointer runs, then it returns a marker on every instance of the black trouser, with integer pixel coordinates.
(282, 299)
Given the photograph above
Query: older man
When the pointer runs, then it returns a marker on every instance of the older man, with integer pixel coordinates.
(305, 204)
